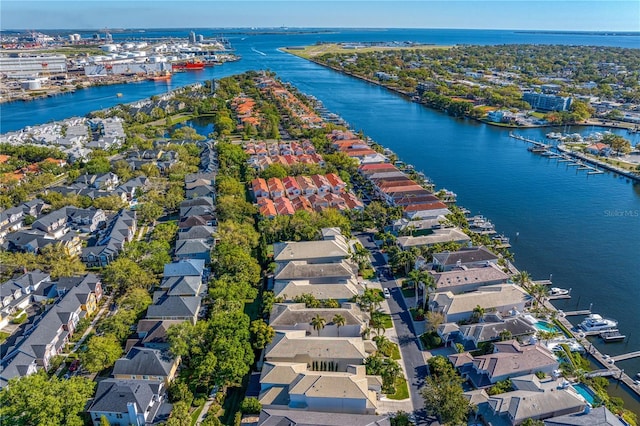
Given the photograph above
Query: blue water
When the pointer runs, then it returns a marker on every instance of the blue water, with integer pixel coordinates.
(585, 392)
(585, 230)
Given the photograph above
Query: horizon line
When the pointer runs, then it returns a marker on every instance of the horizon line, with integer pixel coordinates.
(285, 27)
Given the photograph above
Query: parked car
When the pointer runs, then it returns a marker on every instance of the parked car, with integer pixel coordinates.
(387, 293)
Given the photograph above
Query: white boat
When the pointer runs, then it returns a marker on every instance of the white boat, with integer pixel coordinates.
(555, 291)
(554, 135)
(595, 322)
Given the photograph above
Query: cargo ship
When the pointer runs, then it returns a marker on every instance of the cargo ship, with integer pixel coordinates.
(165, 76)
(189, 66)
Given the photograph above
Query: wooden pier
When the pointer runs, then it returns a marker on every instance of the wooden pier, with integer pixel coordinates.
(574, 313)
(626, 356)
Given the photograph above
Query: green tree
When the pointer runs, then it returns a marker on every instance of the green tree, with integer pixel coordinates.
(59, 263)
(274, 170)
(104, 421)
(532, 422)
(179, 415)
(110, 202)
(339, 321)
(123, 274)
(98, 165)
(38, 400)
(318, 323)
(262, 333)
(149, 212)
(618, 143)
(102, 352)
(444, 399)
(250, 405)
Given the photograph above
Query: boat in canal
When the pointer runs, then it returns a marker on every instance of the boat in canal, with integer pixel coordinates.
(555, 291)
(596, 322)
(612, 336)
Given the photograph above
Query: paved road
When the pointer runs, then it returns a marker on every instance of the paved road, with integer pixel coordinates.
(411, 354)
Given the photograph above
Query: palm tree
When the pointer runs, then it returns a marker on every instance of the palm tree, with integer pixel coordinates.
(383, 344)
(478, 312)
(318, 323)
(417, 276)
(377, 322)
(522, 278)
(339, 321)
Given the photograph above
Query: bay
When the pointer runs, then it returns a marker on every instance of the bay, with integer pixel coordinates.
(585, 230)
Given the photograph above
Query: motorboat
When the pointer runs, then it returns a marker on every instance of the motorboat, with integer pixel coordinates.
(555, 291)
(595, 322)
(612, 335)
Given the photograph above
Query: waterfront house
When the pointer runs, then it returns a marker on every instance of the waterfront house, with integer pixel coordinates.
(462, 279)
(126, 402)
(599, 149)
(509, 359)
(531, 398)
(469, 257)
(471, 335)
(600, 416)
(500, 298)
(437, 236)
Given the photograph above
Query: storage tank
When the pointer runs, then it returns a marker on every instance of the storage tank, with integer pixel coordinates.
(32, 84)
(109, 48)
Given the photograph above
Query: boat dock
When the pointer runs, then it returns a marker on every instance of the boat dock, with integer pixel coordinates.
(574, 313)
(562, 156)
(600, 164)
(626, 356)
(610, 369)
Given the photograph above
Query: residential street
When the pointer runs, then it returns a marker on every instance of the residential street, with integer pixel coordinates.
(411, 354)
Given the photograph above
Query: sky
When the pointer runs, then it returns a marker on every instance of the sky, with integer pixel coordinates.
(570, 15)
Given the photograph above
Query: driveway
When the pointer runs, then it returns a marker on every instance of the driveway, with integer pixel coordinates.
(412, 356)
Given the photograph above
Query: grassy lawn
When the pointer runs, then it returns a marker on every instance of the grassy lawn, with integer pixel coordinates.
(321, 49)
(232, 404)
(3, 336)
(388, 323)
(252, 308)
(402, 390)
(395, 351)
(538, 115)
(196, 413)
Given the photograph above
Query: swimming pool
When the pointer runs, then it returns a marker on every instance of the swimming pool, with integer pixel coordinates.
(586, 393)
(545, 326)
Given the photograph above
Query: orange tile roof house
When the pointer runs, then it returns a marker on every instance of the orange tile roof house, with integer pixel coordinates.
(306, 185)
(260, 188)
(322, 184)
(284, 206)
(337, 184)
(301, 203)
(291, 186)
(276, 188)
(267, 208)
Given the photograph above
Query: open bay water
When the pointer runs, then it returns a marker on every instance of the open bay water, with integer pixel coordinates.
(585, 230)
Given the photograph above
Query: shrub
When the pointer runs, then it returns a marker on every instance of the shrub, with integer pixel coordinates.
(197, 402)
(19, 319)
(431, 340)
(250, 405)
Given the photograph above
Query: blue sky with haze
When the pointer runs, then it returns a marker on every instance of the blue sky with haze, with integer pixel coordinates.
(580, 15)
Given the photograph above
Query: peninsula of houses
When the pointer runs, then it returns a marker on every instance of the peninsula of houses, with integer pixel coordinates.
(283, 270)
